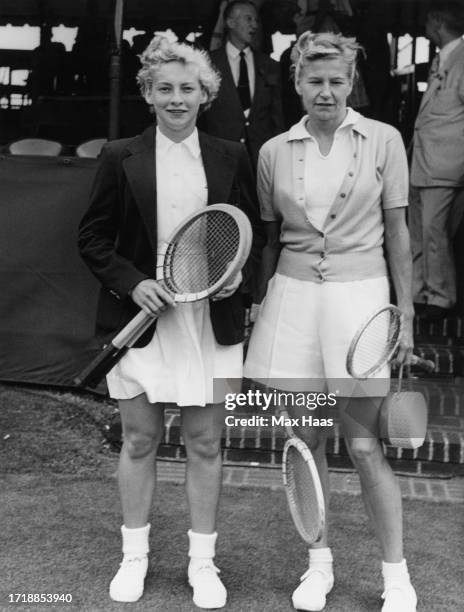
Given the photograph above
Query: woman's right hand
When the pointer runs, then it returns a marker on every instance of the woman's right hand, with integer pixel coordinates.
(152, 297)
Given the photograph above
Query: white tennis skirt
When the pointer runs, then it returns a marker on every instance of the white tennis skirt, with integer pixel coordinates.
(303, 330)
(182, 364)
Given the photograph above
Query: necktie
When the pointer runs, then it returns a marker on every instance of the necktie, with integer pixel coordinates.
(243, 86)
(433, 72)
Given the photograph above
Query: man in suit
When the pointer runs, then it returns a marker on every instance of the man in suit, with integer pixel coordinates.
(248, 108)
(437, 172)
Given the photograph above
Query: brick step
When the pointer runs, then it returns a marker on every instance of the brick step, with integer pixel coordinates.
(445, 400)
(450, 329)
(442, 452)
(448, 359)
(443, 449)
(405, 461)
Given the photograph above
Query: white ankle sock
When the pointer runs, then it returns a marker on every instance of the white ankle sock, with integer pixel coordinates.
(321, 559)
(202, 547)
(395, 571)
(135, 541)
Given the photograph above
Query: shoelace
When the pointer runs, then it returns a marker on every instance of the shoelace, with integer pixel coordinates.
(131, 561)
(209, 566)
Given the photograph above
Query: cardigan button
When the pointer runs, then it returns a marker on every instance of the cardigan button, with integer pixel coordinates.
(350, 173)
(343, 195)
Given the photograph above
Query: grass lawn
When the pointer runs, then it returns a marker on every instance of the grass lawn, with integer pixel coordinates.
(60, 528)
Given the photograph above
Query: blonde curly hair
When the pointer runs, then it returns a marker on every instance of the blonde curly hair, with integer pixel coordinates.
(161, 51)
(311, 46)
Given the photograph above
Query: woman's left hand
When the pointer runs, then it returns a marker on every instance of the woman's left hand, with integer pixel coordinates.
(406, 342)
(229, 289)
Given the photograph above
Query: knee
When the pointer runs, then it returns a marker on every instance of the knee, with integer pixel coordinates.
(203, 447)
(363, 450)
(139, 445)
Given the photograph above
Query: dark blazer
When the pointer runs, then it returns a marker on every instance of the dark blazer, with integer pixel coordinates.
(225, 118)
(117, 235)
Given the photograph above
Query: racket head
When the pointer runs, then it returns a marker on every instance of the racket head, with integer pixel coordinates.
(375, 342)
(304, 490)
(206, 251)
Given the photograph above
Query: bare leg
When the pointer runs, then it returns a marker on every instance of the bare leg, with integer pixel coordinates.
(380, 489)
(201, 430)
(142, 425)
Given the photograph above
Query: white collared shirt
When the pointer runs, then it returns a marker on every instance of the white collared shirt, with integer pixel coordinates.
(181, 187)
(324, 173)
(233, 56)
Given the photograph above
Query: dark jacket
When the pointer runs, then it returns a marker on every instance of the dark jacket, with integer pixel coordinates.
(118, 238)
(225, 118)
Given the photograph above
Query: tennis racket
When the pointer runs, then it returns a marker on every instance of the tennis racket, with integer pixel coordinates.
(204, 253)
(376, 343)
(303, 486)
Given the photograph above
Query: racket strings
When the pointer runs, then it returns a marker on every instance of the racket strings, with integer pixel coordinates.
(376, 343)
(202, 253)
(303, 496)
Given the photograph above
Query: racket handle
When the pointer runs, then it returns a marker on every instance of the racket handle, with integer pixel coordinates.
(100, 366)
(425, 364)
(133, 330)
(109, 357)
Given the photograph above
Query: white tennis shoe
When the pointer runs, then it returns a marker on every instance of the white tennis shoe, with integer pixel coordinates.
(208, 590)
(128, 583)
(310, 596)
(399, 597)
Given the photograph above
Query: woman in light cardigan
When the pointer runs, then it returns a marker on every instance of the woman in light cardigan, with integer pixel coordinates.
(333, 192)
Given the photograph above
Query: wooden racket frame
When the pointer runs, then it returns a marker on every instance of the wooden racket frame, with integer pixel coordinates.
(297, 443)
(142, 321)
(426, 364)
(129, 334)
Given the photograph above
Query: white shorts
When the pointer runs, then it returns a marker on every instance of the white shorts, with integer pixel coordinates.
(303, 330)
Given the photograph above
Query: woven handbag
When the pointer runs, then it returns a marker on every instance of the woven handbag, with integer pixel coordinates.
(404, 417)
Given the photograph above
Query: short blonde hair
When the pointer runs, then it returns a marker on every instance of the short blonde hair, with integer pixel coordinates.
(161, 51)
(312, 46)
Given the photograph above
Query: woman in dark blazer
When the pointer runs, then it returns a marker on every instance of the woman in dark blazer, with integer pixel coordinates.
(144, 187)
